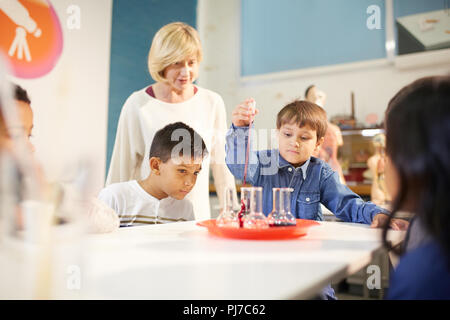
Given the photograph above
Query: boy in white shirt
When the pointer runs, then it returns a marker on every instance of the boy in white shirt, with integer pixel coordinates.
(176, 156)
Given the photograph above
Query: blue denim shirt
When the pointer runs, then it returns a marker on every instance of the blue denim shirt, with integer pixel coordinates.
(313, 183)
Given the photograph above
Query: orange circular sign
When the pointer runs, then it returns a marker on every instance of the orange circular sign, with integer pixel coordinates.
(31, 37)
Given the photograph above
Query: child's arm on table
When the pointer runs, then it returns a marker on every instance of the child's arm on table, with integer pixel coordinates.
(346, 204)
(102, 218)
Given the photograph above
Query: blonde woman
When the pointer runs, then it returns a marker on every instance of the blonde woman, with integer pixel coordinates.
(173, 62)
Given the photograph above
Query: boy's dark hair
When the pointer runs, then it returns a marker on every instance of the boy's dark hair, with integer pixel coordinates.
(307, 90)
(418, 145)
(21, 94)
(179, 138)
(303, 113)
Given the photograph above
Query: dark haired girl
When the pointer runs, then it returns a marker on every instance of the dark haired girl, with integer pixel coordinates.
(418, 179)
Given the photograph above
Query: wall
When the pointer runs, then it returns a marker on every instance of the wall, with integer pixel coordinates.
(296, 34)
(134, 24)
(70, 103)
(77, 105)
(218, 25)
(373, 82)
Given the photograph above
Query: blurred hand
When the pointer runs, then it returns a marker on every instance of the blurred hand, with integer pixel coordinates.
(381, 219)
(399, 224)
(244, 114)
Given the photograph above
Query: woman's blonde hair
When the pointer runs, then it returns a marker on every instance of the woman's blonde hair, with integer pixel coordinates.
(172, 43)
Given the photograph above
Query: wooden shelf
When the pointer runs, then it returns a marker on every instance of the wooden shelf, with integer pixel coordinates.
(361, 189)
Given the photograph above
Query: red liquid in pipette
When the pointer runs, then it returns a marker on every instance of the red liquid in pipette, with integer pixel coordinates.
(241, 214)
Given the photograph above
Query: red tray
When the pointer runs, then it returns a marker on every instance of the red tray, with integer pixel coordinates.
(272, 233)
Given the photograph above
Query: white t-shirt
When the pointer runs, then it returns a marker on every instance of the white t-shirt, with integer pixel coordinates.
(137, 207)
(143, 115)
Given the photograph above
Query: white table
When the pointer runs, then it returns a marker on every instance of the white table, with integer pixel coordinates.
(183, 261)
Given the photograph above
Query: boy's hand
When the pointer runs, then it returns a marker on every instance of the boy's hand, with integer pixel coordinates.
(244, 113)
(381, 219)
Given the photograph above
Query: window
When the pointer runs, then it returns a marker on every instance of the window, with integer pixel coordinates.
(295, 34)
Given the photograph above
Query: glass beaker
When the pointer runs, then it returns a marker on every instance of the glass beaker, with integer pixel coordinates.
(228, 218)
(281, 215)
(255, 219)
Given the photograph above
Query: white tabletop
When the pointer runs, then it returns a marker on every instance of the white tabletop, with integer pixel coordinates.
(183, 261)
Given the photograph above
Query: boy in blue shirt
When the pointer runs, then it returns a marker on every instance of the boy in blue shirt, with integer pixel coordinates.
(301, 128)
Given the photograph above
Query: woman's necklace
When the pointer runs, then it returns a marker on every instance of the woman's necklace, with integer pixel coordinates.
(167, 93)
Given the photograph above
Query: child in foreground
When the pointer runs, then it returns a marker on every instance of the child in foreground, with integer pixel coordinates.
(418, 180)
(100, 218)
(159, 198)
